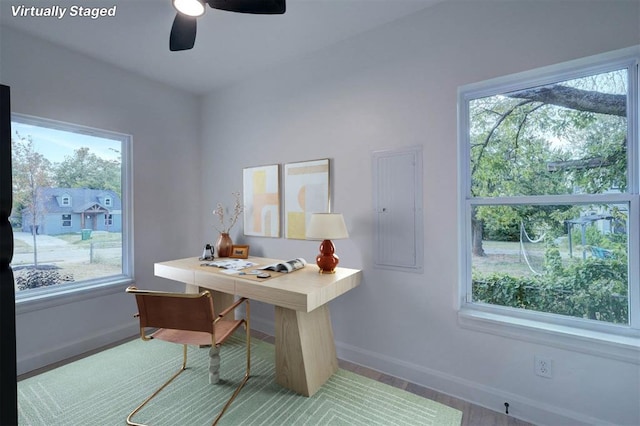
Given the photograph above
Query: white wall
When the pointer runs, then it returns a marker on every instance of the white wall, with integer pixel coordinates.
(392, 88)
(51, 82)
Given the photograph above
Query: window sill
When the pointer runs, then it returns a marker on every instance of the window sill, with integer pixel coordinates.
(606, 345)
(49, 299)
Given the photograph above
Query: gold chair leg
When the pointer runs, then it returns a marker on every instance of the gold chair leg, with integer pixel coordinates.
(235, 393)
(184, 366)
(246, 375)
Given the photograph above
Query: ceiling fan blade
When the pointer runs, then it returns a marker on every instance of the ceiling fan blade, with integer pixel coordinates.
(183, 33)
(263, 7)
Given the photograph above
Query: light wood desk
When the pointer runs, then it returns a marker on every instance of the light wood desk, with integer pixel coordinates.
(305, 349)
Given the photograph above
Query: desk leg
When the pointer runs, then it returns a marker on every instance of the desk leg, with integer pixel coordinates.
(305, 350)
(214, 365)
(191, 289)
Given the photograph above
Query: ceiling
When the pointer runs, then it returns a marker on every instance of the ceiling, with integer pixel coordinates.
(229, 46)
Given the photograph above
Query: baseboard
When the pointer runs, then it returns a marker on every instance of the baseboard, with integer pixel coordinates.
(75, 348)
(520, 407)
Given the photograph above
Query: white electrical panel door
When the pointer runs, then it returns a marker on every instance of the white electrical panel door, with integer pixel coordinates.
(397, 198)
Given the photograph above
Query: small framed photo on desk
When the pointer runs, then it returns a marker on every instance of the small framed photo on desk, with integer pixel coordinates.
(239, 252)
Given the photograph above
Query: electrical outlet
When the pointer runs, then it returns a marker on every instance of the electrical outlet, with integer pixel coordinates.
(543, 366)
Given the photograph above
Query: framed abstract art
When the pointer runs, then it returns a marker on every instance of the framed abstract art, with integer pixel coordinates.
(306, 191)
(261, 197)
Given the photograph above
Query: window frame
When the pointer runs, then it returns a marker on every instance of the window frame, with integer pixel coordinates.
(45, 297)
(612, 340)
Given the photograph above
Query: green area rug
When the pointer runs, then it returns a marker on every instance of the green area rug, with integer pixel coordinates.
(102, 389)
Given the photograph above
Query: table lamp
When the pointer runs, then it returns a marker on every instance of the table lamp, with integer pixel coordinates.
(327, 227)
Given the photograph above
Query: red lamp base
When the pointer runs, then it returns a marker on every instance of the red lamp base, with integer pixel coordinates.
(327, 261)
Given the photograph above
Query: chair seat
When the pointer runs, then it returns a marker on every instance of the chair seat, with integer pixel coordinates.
(199, 338)
(224, 329)
(183, 337)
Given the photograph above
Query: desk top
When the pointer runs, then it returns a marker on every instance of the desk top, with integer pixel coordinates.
(301, 290)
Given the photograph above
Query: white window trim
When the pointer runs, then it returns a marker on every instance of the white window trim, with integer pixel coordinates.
(606, 340)
(29, 301)
(590, 342)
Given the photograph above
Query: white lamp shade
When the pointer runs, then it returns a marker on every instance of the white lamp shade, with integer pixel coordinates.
(327, 226)
(189, 7)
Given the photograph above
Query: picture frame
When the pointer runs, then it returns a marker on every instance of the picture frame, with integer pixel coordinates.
(261, 198)
(239, 252)
(306, 191)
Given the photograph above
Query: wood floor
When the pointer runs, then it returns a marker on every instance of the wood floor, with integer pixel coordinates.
(472, 415)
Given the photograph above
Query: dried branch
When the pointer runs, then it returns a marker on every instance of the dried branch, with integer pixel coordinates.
(224, 226)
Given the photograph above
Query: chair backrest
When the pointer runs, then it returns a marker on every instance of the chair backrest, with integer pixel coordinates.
(181, 311)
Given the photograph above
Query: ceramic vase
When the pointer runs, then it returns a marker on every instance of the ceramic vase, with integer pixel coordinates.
(224, 245)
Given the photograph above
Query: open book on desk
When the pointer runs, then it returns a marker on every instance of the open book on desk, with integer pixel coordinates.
(288, 266)
(231, 265)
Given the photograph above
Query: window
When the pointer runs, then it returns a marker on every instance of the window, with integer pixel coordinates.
(549, 196)
(61, 174)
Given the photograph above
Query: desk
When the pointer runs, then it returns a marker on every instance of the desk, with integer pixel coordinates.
(305, 349)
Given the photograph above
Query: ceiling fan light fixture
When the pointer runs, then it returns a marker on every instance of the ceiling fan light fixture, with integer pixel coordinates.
(193, 8)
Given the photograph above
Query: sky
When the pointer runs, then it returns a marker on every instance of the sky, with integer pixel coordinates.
(56, 144)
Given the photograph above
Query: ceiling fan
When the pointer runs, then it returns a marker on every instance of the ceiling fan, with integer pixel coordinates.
(183, 30)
